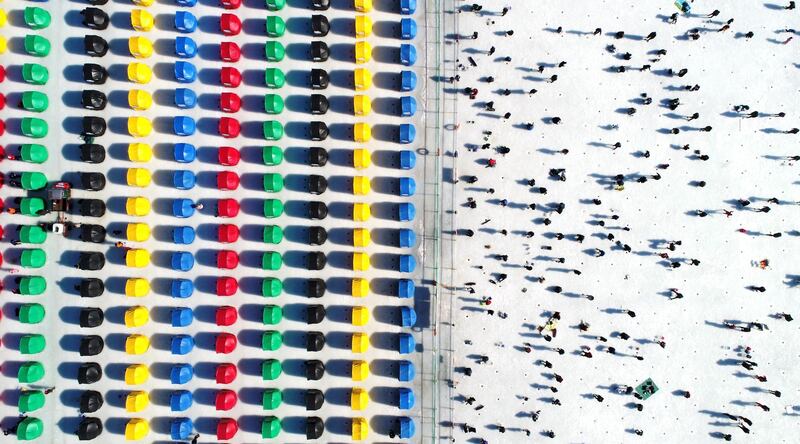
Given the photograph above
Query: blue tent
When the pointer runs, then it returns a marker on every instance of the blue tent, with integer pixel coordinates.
(180, 400)
(405, 343)
(181, 288)
(182, 261)
(183, 125)
(408, 160)
(185, 72)
(183, 179)
(185, 21)
(408, 28)
(406, 371)
(405, 398)
(408, 317)
(181, 316)
(185, 98)
(406, 212)
(181, 344)
(184, 153)
(408, 106)
(405, 289)
(406, 238)
(408, 81)
(408, 132)
(180, 428)
(407, 263)
(408, 7)
(186, 2)
(182, 208)
(185, 47)
(181, 373)
(408, 54)
(407, 428)
(407, 186)
(183, 235)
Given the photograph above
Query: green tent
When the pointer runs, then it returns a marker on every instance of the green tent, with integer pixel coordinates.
(272, 155)
(271, 260)
(272, 208)
(31, 344)
(271, 399)
(274, 51)
(271, 340)
(37, 45)
(273, 234)
(275, 5)
(30, 401)
(30, 372)
(35, 73)
(272, 314)
(31, 313)
(31, 206)
(32, 285)
(36, 18)
(271, 287)
(35, 101)
(274, 78)
(33, 258)
(32, 234)
(273, 130)
(270, 369)
(33, 180)
(270, 427)
(34, 127)
(273, 182)
(273, 104)
(33, 153)
(30, 429)
(276, 27)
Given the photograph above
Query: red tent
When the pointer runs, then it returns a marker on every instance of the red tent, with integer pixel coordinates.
(2, 73)
(225, 399)
(2, 232)
(227, 180)
(2, 127)
(227, 233)
(228, 156)
(225, 373)
(226, 286)
(229, 52)
(227, 259)
(226, 315)
(229, 102)
(2, 101)
(229, 24)
(1, 259)
(230, 4)
(229, 127)
(225, 343)
(227, 208)
(226, 429)
(230, 77)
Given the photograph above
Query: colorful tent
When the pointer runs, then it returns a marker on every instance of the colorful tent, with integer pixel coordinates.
(363, 5)
(361, 212)
(140, 47)
(361, 186)
(181, 373)
(227, 233)
(225, 373)
(362, 105)
(136, 401)
(359, 370)
(30, 372)
(363, 26)
(272, 155)
(405, 343)
(141, 20)
(274, 78)
(137, 258)
(137, 287)
(273, 234)
(227, 207)
(273, 104)
(273, 182)
(362, 132)
(136, 316)
(273, 130)
(408, 132)
(139, 73)
(270, 369)
(140, 152)
(408, 7)
(274, 51)
(31, 313)
(271, 315)
(272, 208)
(230, 77)
(227, 259)
(362, 79)
(225, 400)
(408, 29)
(30, 401)
(227, 428)
(360, 429)
(137, 344)
(181, 316)
(363, 52)
(229, 127)
(227, 180)
(229, 24)
(136, 429)
(406, 211)
(271, 260)
(32, 344)
(36, 45)
(139, 126)
(31, 206)
(406, 371)
(182, 261)
(359, 287)
(185, 72)
(180, 400)
(32, 234)
(406, 238)
(35, 74)
(33, 258)
(137, 232)
(33, 153)
(225, 343)
(180, 428)
(139, 100)
(358, 399)
(408, 186)
(271, 399)
(271, 340)
(359, 316)
(34, 101)
(29, 428)
(36, 18)
(359, 343)
(34, 127)
(32, 285)
(271, 287)
(360, 261)
(408, 54)
(185, 47)
(406, 428)
(137, 206)
(138, 177)
(275, 5)
(276, 27)
(185, 22)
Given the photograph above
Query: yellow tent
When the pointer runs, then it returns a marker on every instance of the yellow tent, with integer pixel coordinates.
(360, 342)
(361, 212)
(359, 371)
(3, 18)
(363, 52)
(138, 232)
(359, 399)
(3, 44)
(360, 429)
(136, 374)
(360, 316)
(136, 401)
(362, 79)
(137, 258)
(361, 185)
(136, 316)
(136, 429)
(360, 261)
(142, 20)
(363, 5)
(139, 100)
(139, 126)
(139, 73)
(359, 288)
(140, 152)
(362, 158)
(363, 26)
(137, 206)
(138, 177)
(362, 132)
(362, 105)
(137, 344)
(143, 2)
(137, 287)
(140, 47)
(361, 237)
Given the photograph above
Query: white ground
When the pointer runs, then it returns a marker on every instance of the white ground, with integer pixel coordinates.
(746, 161)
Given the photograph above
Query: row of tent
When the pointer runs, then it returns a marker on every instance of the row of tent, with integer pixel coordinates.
(405, 7)
(35, 206)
